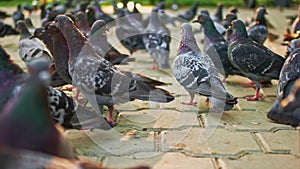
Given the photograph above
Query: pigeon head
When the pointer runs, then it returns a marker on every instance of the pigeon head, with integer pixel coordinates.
(203, 18)
(238, 30)
(99, 25)
(230, 17)
(40, 68)
(62, 21)
(154, 9)
(204, 11)
(79, 16)
(260, 14)
(294, 44)
(188, 41)
(38, 33)
(233, 10)
(22, 28)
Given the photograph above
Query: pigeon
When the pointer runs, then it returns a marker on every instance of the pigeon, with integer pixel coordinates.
(25, 121)
(4, 15)
(18, 15)
(165, 18)
(129, 36)
(216, 47)
(196, 72)
(157, 40)
(82, 24)
(62, 107)
(296, 22)
(294, 44)
(95, 76)
(12, 78)
(60, 51)
(50, 16)
(30, 49)
(228, 19)
(90, 15)
(98, 40)
(6, 29)
(284, 109)
(233, 10)
(28, 8)
(190, 13)
(218, 16)
(43, 13)
(258, 30)
(220, 28)
(100, 15)
(254, 60)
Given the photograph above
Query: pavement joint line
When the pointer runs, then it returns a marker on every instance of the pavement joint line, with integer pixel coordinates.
(261, 142)
(271, 130)
(163, 129)
(216, 155)
(219, 163)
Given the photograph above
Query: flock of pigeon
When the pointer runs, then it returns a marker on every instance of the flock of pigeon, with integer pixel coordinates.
(71, 47)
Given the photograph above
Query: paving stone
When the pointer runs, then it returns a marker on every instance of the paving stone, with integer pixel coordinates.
(165, 160)
(259, 161)
(283, 140)
(249, 121)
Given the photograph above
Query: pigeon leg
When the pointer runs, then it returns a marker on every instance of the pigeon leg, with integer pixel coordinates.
(256, 97)
(154, 66)
(191, 102)
(110, 116)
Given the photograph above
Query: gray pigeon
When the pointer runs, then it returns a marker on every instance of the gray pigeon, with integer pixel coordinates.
(96, 77)
(98, 40)
(30, 49)
(196, 72)
(157, 41)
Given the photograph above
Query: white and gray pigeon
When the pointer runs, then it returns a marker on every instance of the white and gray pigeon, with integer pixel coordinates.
(30, 49)
(96, 77)
(157, 40)
(196, 72)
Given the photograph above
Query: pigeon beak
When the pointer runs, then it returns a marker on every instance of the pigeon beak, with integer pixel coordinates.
(33, 36)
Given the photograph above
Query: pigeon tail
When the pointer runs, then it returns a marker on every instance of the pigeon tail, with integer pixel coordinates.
(150, 93)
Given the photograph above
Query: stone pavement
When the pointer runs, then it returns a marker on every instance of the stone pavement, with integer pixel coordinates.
(173, 135)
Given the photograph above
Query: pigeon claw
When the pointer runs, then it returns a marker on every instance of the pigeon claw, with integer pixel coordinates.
(255, 98)
(190, 103)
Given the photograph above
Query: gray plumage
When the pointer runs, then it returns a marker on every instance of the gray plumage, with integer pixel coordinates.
(30, 49)
(157, 41)
(195, 71)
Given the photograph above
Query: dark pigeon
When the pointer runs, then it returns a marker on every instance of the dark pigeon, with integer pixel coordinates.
(50, 16)
(258, 30)
(12, 78)
(254, 60)
(220, 28)
(98, 40)
(96, 77)
(296, 23)
(4, 15)
(18, 15)
(91, 15)
(216, 47)
(285, 109)
(30, 49)
(82, 23)
(190, 13)
(25, 121)
(129, 36)
(28, 8)
(228, 19)
(100, 15)
(157, 40)
(6, 29)
(218, 16)
(196, 72)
